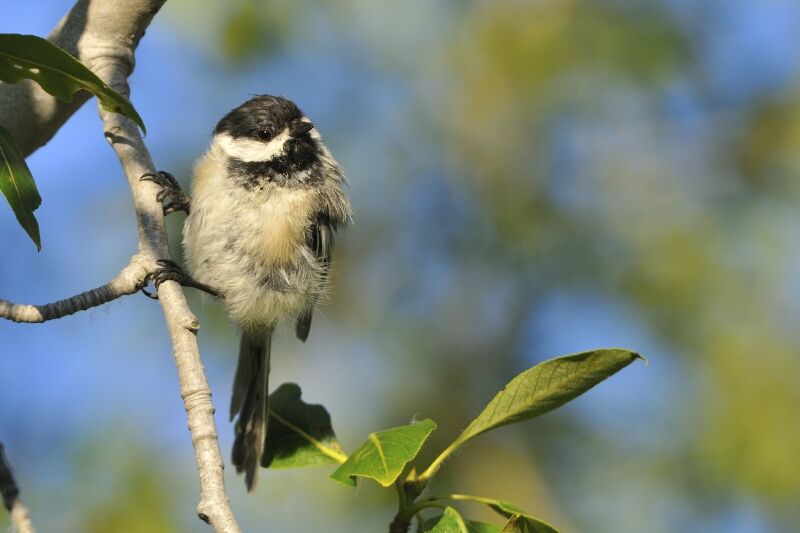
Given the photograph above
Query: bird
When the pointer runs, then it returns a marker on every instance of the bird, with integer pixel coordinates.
(267, 199)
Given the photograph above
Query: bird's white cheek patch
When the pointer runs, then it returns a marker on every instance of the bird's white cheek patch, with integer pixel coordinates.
(252, 151)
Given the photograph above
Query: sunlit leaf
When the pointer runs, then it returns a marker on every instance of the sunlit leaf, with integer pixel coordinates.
(547, 386)
(507, 510)
(58, 72)
(299, 434)
(17, 185)
(451, 521)
(384, 454)
(538, 390)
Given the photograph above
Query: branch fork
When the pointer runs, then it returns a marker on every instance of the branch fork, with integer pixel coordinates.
(103, 34)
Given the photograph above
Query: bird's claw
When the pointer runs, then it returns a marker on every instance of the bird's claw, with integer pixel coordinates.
(170, 271)
(169, 188)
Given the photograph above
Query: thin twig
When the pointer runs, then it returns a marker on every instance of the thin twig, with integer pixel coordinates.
(130, 280)
(20, 516)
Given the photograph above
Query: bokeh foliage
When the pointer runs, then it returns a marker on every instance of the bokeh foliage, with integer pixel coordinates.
(525, 172)
(584, 147)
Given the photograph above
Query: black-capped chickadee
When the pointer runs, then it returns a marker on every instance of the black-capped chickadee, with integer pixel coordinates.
(267, 198)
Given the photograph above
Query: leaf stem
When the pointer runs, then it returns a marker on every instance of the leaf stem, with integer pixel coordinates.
(467, 497)
(429, 472)
(327, 450)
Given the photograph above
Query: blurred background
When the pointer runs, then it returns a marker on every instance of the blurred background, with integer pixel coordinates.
(530, 179)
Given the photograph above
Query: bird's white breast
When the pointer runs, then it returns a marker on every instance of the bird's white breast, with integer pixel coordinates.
(234, 237)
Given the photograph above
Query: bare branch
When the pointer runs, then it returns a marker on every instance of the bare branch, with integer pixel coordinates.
(130, 280)
(124, 137)
(20, 517)
(103, 34)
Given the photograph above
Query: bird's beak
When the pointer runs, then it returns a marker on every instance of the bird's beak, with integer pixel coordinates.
(300, 128)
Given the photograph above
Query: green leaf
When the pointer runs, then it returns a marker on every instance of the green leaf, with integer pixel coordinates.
(58, 72)
(547, 386)
(17, 185)
(520, 523)
(506, 510)
(449, 519)
(384, 454)
(300, 434)
(540, 389)
(449, 522)
(481, 527)
(520, 518)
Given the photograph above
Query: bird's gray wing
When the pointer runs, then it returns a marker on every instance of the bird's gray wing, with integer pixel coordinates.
(320, 242)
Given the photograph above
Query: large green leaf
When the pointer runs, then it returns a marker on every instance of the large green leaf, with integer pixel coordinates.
(547, 386)
(17, 185)
(452, 522)
(58, 72)
(299, 434)
(540, 389)
(384, 454)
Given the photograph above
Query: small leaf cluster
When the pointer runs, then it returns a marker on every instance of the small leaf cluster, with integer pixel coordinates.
(60, 74)
(302, 435)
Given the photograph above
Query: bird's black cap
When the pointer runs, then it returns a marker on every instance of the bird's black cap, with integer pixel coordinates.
(262, 117)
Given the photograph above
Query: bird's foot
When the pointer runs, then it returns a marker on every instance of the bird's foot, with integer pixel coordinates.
(170, 271)
(170, 188)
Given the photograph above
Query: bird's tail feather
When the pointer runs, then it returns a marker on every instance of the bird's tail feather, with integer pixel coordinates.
(249, 402)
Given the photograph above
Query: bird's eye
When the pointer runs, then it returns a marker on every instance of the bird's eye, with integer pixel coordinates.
(262, 134)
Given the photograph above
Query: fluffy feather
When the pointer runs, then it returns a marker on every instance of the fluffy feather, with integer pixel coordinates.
(267, 198)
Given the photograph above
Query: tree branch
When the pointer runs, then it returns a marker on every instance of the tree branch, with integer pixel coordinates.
(90, 28)
(130, 280)
(124, 137)
(103, 34)
(20, 517)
